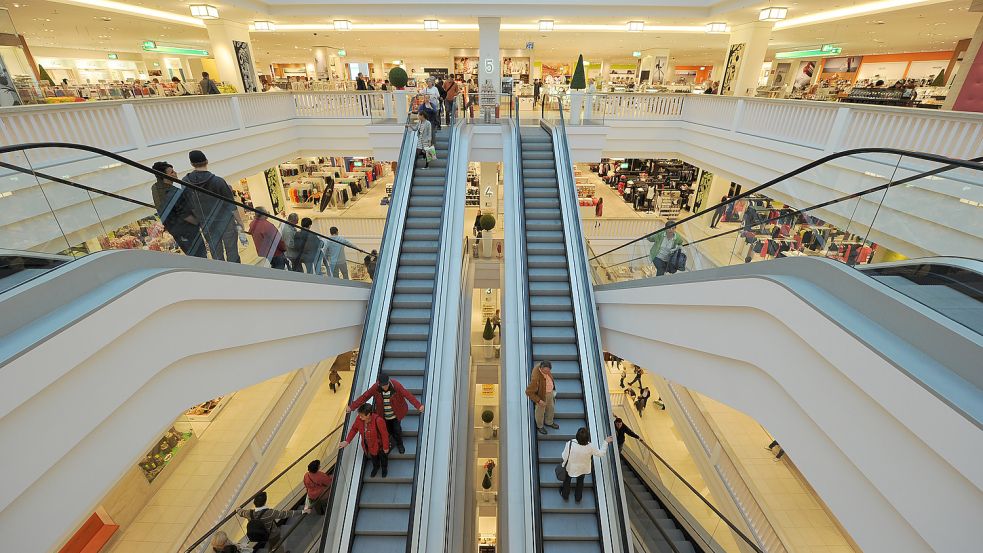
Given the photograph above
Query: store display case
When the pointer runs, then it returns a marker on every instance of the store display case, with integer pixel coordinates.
(164, 452)
(880, 96)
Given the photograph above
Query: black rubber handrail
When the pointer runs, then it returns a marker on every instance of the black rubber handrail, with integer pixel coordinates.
(794, 213)
(951, 164)
(144, 168)
(235, 511)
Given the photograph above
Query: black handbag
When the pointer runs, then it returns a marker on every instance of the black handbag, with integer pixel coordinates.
(561, 470)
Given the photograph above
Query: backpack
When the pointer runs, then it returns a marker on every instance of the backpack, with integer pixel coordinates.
(257, 532)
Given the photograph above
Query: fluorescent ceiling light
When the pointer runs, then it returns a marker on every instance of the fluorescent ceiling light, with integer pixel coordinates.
(431, 25)
(204, 11)
(826, 50)
(716, 28)
(636, 26)
(397, 62)
(131, 9)
(342, 25)
(851, 11)
(505, 27)
(773, 14)
(264, 26)
(545, 25)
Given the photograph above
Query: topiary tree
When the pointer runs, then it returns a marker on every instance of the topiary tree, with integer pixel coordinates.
(939, 79)
(44, 75)
(579, 81)
(487, 221)
(487, 416)
(398, 78)
(489, 333)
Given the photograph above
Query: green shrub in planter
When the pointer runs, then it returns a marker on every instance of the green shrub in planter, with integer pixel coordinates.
(487, 416)
(489, 333)
(579, 81)
(939, 79)
(398, 77)
(487, 221)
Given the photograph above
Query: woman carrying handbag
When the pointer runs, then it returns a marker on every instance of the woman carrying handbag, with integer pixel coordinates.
(577, 463)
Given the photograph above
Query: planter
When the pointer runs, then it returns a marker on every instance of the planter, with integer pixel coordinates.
(487, 244)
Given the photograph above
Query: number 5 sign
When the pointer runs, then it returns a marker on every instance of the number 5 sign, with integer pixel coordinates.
(489, 65)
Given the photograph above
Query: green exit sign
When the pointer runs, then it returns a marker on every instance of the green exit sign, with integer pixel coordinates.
(113, 57)
(342, 53)
(149, 45)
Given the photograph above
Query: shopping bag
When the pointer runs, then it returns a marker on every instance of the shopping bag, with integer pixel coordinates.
(431, 153)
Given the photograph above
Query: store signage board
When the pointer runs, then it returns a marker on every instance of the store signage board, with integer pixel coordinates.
(151, 46)
(826, 50)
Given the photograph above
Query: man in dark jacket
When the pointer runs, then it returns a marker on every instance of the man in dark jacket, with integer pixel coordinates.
(390, 399)
(621, 429)
(174, 209)
(268, 518)
(218, 216)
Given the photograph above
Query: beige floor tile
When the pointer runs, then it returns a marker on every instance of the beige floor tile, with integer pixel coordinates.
(138, 531)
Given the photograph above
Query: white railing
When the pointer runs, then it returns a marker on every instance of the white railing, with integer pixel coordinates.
(824, 126)
(370, 228)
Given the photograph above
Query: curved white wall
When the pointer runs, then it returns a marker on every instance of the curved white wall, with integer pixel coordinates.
(899, 468)
(79, 408)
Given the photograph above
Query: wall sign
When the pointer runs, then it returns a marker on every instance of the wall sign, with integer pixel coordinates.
(246, 69)
(734, 59)
(489, 65)
(275, 188)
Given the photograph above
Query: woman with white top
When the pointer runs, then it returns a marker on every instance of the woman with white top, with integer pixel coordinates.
(578, 455)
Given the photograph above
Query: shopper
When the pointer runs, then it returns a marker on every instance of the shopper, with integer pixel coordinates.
(578, 459)
(451, 90)
(174, 209)
(389, 398)
(621, 430)
(424, 134)
(289, 233)
(262, 528)
(180, 89)
(638, 377)
(537, 87)
(268, 240)
(385, 85)
(599, 208)
(496, 321)
(433, 103)
(542, 392)
(307, 248)
(643, 397)
(218, 216)
(334, 380)
(719, 212)
(221, 543)
(375, 438)
(664, 244)
(370, 262)
(360, 82)
(317, 484)
(334, 254)
(207, 85)
(477, 224)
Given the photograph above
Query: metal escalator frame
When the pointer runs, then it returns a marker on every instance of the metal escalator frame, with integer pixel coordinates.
(444, 326)
(337, 529)
(609, 488)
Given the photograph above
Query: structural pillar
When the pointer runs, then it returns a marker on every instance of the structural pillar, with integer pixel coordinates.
(234, 67)
(745, 54)
(322, 63)
(966, 92)
(489, 64)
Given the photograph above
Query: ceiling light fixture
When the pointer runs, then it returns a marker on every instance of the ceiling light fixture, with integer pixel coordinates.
(773, 14)
(264, 26)
(636, 26)
(545, 25)
(131, 9)
(431, 25)
(397, 62)
(716, 28)
(342, 25)
(842, 13)
(204, 11)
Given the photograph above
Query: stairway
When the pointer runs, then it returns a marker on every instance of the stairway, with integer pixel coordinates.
(384, 509)
(647, 512)
(567, 526)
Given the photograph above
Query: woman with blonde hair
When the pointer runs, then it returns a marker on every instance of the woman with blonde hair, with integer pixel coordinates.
(221, 543)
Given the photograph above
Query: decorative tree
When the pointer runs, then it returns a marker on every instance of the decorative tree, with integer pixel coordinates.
(487, 416)
(486, 482)
(939, 79)
(489, 333)
(398, 78)
(579, 81)
(487, 221)
(44, 75)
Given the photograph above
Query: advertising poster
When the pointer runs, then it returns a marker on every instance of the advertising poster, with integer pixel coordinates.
(246, 69)
(8, 92)
(804, 78)
(466, 65)
(275, 188)
(515, 66)
(702, 190)
(734, 59)
(781, 74)
(659, 68)
(556, 69)
(848, 64)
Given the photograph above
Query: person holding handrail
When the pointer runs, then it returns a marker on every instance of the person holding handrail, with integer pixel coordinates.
(578, 457)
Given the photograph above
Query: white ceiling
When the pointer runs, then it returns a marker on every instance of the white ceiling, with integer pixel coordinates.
(932, 26)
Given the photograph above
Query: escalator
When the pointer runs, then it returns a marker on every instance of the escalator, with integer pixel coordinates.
(656, 527)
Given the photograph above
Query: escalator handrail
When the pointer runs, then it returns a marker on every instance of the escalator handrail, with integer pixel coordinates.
(589, 329)
(950, 163)
(151, 171)
(234, 511)
(751, 543)
(658, 527)
(795, 213)
(373, 335)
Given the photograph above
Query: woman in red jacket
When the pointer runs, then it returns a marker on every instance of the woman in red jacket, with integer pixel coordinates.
(390, 399)
(375, 438)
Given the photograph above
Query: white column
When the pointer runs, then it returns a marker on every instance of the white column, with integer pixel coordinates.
(222, 33)
(489, 55)
(754, 37)
(322, 63)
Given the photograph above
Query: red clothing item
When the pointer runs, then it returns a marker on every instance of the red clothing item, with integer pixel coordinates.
(373, 432)
(265, 235)
(316, 483)
(400, 396)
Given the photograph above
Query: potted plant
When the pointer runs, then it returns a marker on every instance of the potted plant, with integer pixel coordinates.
(487, 223)
(489, 336)
(486, 482)
(577, 86)
(487, 416)
(398, 78)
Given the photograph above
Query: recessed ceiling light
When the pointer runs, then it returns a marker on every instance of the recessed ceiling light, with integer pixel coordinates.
(545, 25)
(773, 14)
(264, 26)
(716, 28)
(342, 25)
(636, 26)
(431, 24)
(204, 11)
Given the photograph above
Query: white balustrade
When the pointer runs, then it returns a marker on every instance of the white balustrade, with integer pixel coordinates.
(952, 134)
(90, 124)
(802, 123)
(264, 109)
(712, 111)
(186, 117)
(605, 107)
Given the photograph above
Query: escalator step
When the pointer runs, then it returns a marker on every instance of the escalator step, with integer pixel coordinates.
(568, 387)
(553, 335)
(545, 274)
(542, 203)
(554, 236)
(410, 316)
(412, 382)
(546, 248)
(417, 272)
(426, 190)
(432, 171)
(568, 430)
(552, 318)
(383, 496)
(542, 192)
(412, 301)
(420, 246)
(551, 501)
(573, 547)
(565, 369)
(424, 212)
(397, 348)
(570, 409)
(423, 222)
(570, 527)
(435, 182)
(408, 332)
(430, 235)
(538, 172)
(396, 366)
(528, 146)
(407, 286)
(420, 163)
(530, 155)
(543, 224)
(547, 214)
(377, 544)
(426, 201)
(539, 182)
(538, 164)
(555, 352)
(400, 471)
(548, 288)
(547, 261)
(415, 258)
(382, 522)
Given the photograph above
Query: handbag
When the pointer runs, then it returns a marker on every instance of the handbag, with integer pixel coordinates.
(561, 470)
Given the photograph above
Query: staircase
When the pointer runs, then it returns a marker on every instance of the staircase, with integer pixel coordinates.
(384, 509)
(651, 520)
(567, 526)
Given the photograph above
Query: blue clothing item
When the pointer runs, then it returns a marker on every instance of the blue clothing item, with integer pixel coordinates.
(334, 250)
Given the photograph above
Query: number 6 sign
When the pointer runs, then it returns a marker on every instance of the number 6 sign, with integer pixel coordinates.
(489, 66)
